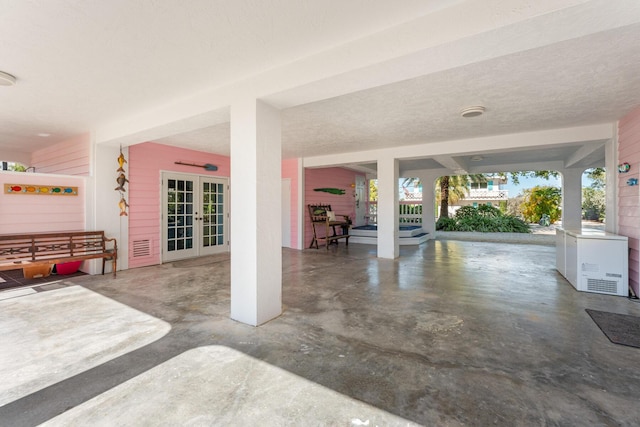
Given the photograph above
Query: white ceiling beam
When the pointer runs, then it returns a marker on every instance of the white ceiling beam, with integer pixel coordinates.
(510, 142)
(420, 172)
(556, 165)
(363, 169)
(582, 153)
(454, 165)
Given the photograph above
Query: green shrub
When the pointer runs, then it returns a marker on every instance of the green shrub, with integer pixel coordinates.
(466, 212)
(446, 224)
(485, 219)
(489, 211)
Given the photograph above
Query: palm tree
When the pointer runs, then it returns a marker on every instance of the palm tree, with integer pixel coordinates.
(451, 188)
(454, 188)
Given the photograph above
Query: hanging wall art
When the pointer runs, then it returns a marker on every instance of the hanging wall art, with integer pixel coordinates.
(122, 181)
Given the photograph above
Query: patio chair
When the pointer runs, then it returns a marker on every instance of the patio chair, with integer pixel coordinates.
(325, 225)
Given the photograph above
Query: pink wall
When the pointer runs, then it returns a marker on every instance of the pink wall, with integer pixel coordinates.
(290, 170)
(24, 213)
(328, 178)
(629, 196)
(70, 157)
(145, 163)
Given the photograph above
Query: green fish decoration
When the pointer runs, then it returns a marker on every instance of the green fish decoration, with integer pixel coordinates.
(330, 190)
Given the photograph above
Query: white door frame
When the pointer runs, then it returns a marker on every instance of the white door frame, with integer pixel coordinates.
(193, 222)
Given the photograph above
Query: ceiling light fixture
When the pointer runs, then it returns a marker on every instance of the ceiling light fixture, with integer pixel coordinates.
(44, 135)
(7, 79)
(476, 158)
(475, 111)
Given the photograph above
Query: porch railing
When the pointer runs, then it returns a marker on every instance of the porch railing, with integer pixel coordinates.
(487, 195)
(410, 212)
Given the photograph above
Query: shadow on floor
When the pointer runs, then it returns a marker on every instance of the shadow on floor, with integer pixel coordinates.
(14, 278)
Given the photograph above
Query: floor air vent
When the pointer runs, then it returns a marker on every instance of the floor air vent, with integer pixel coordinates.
(141, 248)
(601, 285)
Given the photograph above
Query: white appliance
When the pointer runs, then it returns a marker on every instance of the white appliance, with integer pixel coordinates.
(593, 260)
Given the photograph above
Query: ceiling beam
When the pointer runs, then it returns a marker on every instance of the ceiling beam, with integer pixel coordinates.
(456, 166)
(582, 153)
(498, 143)
(556, 165)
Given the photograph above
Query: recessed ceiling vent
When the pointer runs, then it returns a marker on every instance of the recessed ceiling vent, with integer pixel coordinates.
(474, 111)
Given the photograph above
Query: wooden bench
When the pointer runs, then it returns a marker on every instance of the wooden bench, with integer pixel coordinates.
(23, 251)
(324, 222)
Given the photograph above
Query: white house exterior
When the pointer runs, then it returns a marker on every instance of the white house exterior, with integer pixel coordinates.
(490, 193)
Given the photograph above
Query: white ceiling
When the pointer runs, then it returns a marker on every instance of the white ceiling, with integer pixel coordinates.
(535, 65)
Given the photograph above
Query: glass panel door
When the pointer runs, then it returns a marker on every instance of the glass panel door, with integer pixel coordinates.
(214, 215)
(178, 219)
(194, 220)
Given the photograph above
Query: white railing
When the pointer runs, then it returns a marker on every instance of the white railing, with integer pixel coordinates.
(410, 212)
(487, 195)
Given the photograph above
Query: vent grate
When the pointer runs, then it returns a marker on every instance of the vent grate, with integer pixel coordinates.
(141, 248)
(601, 285)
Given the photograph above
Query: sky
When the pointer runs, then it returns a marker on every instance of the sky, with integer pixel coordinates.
(526, 182)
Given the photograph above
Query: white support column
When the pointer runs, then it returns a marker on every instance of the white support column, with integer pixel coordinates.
(611, 183)
(301, 206)
(572, 198)
(428, 203)
(388, 245)
(102, 202)
(256, 235)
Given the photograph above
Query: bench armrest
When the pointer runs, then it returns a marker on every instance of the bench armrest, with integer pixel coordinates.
(115, 244)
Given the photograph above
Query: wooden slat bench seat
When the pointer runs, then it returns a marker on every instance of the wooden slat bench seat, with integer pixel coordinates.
(324, 223)
(19, 251)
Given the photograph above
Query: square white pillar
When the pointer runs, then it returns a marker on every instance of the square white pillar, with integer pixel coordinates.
(256, 228)
(388, 216)
(102, 202)
(428, 203)
(611, 182)
(572, 199)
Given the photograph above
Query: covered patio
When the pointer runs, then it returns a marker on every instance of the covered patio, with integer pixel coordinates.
(450, 333)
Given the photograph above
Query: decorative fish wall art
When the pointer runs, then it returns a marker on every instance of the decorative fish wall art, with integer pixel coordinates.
(122, 180)
(121, 162)
(123, 205)
(42, 190)
(330, 190)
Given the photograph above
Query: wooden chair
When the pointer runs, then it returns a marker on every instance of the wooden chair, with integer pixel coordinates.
(325, 222)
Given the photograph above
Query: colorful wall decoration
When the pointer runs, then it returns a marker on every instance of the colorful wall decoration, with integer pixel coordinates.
(41, 190)
(122, 180)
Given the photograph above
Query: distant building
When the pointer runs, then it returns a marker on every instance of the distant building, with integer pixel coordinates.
(490, 193)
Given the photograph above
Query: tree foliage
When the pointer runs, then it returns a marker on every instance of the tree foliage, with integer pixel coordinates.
(541, 200)
(373, 190)
(593, 203)
(515, 176)
(598, 176)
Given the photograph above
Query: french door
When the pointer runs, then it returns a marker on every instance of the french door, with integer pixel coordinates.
(195, 217)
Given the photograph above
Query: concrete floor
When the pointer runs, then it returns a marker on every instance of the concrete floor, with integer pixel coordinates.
(452, 333)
